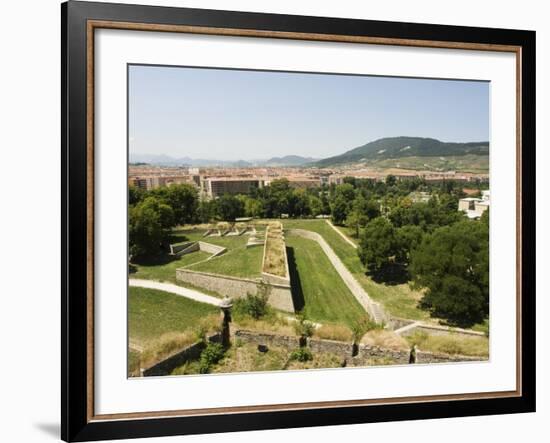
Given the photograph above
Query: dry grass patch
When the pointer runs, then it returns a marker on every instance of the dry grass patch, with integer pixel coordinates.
(274, 258)
(384, 339)
(171, 342)
(454, 344)
(334, 332)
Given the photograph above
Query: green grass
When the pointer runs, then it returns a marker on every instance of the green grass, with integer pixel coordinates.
(326, 297)
(163, 268)
(152, 313)
(399, 300)
(237, 262)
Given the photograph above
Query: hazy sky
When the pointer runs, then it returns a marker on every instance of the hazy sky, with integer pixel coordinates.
(235, 114)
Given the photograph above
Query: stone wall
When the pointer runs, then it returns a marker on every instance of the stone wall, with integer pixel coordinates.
(280, 296)
(181, 248)
(432, 357)
(215, 250)
(272, 278)
(191, 352)
(366, 356)
(443, 330)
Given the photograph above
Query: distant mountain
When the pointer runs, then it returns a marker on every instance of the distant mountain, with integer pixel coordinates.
(165, 160)
(288, 160)
(399, 147)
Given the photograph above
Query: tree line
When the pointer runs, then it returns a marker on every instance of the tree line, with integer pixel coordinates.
(401, 239)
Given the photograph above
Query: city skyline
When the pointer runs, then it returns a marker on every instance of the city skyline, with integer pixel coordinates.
(249, 115)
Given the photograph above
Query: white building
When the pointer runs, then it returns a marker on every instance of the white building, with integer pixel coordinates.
(475, 207)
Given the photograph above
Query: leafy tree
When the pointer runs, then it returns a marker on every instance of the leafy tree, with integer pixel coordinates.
(206, 211)
(408, 238)
(149, 226)
(229, 207)
(452, 264)
(182, 198)
(340, 209)
(135, 195)
(378, 243)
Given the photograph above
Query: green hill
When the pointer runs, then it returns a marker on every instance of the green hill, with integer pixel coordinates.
(400, 147)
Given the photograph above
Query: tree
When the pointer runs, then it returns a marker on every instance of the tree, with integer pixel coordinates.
(182, 198)
(408, 238)
(149, 226)
(377, 244)
(229, 207)
(135, 195)
(452, 264)
(340, 209)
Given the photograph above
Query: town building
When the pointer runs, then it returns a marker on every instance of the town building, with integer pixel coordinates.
(475, 207)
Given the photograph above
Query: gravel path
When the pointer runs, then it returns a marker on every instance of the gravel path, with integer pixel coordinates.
(344, 236)
(175, 289)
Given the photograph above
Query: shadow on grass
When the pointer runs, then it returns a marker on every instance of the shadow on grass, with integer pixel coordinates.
(390, 274)
(295, 283)
(153, 260)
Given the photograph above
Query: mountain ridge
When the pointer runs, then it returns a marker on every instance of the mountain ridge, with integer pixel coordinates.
(404, 146)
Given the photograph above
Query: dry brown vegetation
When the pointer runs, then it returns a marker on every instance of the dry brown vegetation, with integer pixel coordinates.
(171, 342)
(274, 259)
(384, 339)
(334, 332)
(455, 344)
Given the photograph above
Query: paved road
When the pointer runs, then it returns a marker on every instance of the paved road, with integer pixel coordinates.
(178, 290)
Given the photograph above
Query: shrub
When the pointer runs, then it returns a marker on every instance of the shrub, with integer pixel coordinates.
(301, 354)
(303, 327)
(211, 355)
(362, 326)
(252, 305)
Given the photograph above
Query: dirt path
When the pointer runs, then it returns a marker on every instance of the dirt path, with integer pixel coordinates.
(344, 236)
(175, 289)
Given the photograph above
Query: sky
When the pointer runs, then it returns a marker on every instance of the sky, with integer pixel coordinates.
(227, 114)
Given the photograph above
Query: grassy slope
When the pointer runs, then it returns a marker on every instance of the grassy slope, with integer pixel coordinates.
(164, 269)
(326, 297)
(463, 163)
(152, 313)
(238, 262)
(399, 300)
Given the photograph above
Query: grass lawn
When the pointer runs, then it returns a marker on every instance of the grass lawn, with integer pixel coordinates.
(164, 267)
(237, 262)
(399, 300)
(325, 296)
(152, 313)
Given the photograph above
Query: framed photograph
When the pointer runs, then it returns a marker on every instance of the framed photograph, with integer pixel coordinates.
(275, 221)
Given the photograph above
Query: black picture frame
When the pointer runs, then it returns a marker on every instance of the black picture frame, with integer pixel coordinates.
(76, 422)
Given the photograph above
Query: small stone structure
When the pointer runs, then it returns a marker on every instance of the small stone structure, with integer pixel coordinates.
(188, 247)
(280, 296)
(267, 276)
(405, 328)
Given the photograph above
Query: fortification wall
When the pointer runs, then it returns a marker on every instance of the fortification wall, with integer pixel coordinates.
(280, 296)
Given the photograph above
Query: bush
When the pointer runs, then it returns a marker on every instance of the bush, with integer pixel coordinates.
(301, 354)
(303, 327)
(211, 355)
(361, 327)
(252, 305)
